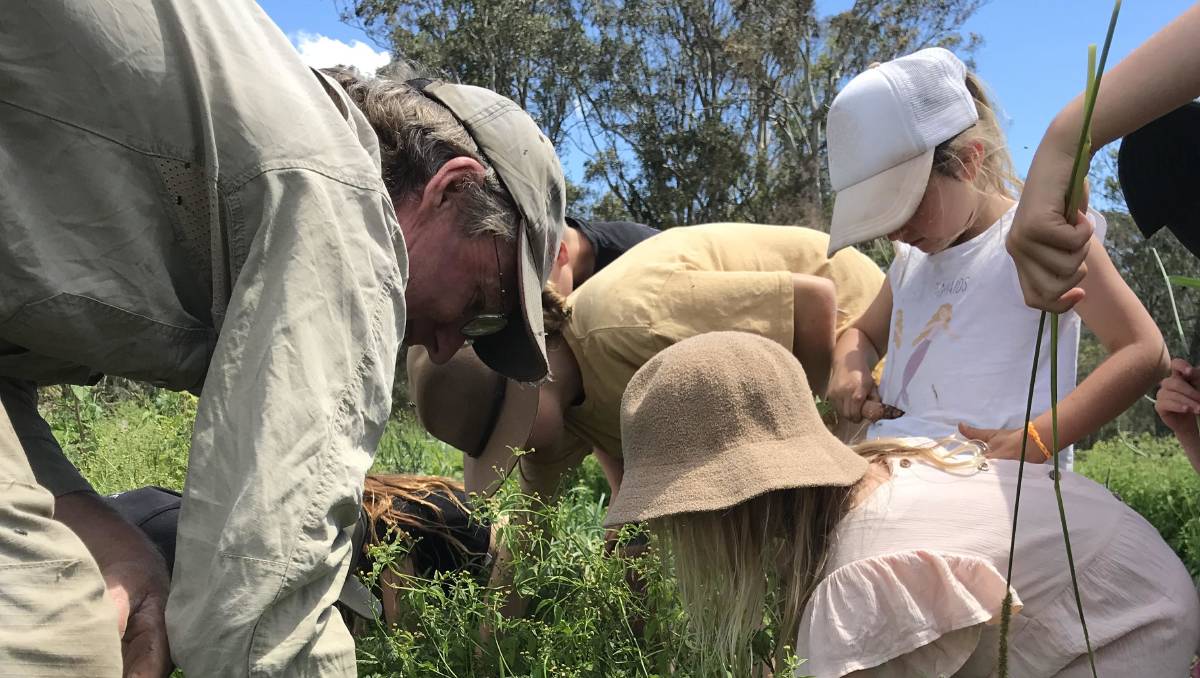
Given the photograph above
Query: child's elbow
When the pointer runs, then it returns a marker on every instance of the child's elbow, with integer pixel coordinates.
(1161, 365)
(815, 299)
(1156, 359)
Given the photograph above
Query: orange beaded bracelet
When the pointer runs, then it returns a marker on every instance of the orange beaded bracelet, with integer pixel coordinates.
(1037, 440)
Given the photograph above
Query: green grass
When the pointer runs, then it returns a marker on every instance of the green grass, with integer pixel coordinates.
(582, 612)
(121, 436)
(1154, 478)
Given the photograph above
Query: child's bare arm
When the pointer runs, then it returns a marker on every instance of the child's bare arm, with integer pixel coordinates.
(1156, 78)
(856, 352)
(815, 315)
(1137, 357)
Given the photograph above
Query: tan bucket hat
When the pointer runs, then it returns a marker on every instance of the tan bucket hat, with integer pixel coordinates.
(716, 420)
(527, 165)
(470, 407)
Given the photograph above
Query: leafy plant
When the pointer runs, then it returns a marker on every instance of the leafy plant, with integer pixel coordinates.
(581, 604)
(584, 618)
(1153, 476)
(120, 435)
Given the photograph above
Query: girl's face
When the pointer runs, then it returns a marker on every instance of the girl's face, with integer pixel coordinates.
(944, 218)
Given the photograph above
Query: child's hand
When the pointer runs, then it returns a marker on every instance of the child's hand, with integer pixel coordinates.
(1178, 400)
(1003, 443)
(849, 388)
(1047, 249)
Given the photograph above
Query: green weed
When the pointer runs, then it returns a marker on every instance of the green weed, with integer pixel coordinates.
(583, 615)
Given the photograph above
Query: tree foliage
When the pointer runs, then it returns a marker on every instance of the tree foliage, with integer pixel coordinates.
(687, 111)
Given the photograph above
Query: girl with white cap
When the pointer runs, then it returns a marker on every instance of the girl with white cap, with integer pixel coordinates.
(882, 560)
(916, 154)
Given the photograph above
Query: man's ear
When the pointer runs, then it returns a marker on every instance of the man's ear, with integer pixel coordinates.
(449, 179)
(561, 259)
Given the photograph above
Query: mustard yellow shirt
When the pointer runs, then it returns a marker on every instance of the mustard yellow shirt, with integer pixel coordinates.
(688, 281)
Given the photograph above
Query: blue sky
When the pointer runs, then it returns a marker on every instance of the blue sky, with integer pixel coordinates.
(1034, 55)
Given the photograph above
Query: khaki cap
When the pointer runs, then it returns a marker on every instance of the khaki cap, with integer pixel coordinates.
(716, 420)
(528, 167)
(470, 407)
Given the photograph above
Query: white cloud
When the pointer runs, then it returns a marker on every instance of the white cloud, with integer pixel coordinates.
(320, 51)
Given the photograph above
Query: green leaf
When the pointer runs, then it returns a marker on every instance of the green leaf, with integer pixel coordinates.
(1184, 281)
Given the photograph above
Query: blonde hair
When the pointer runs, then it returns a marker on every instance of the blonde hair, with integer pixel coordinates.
(766, 555)
(417, 135)
(996, 175)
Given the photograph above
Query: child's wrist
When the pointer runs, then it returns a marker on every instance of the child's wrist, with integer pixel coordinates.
(1037, 445)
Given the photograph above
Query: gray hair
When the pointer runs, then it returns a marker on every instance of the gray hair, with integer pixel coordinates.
(417, 136)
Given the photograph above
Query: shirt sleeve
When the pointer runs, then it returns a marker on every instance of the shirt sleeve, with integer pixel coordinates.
(895, 272)
(295, 401)
(906, 613)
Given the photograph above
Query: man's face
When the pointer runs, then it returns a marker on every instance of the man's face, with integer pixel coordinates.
(452, 279)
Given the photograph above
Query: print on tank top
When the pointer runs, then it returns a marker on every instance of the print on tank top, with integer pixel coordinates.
(962, 340)
(939, 323)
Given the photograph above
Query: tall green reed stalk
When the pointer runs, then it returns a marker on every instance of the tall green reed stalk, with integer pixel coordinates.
(1073, 201)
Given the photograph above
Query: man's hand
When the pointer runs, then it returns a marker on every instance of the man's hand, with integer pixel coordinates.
(135, 575)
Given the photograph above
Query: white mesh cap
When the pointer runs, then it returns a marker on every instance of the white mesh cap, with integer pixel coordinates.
(882, 130)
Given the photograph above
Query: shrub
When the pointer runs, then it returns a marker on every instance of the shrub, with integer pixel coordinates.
(121, 436)
(1152, 475)
(582, 617)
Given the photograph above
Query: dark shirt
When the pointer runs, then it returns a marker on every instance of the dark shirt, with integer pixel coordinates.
(611, 239)
(434, 548)
(156, 511)
(1159, 170)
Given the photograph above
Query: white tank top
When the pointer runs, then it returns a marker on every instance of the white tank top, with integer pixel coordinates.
(960, 345)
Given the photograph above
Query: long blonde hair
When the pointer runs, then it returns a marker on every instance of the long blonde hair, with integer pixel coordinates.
(733, 566)
(996, 175)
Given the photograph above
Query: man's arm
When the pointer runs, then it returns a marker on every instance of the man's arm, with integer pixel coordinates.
(295, 401)
(134, 574)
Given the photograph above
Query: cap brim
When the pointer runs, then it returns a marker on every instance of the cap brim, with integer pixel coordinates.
(484, 474)
(519, 350)
(879, 205)
(741, 474)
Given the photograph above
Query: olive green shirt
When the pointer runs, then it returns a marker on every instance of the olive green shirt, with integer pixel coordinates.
(186, 203)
